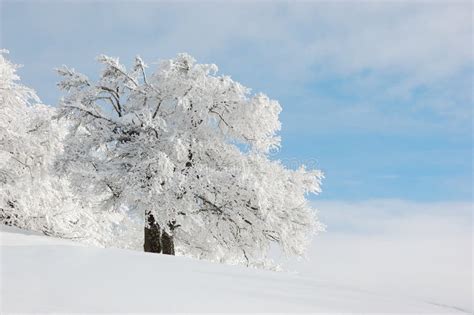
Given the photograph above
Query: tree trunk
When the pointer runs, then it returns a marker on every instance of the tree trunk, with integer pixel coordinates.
(152, 235)
(167, 243)
(156, 239)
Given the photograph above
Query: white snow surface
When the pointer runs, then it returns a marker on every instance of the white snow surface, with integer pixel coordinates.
(42, 274)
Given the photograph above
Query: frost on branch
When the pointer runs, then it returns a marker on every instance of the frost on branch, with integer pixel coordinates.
(30, 196)
(184, 153)
(75, 80)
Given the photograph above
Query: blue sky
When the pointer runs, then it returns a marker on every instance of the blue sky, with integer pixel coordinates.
(377, 95)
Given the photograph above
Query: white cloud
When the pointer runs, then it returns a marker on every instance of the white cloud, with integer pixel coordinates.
(417, 250)
(429, 39)
(389, 50)
(426, 39)
(408, 55)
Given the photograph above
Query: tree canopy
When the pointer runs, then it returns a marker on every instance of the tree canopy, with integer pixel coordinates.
(190, 148)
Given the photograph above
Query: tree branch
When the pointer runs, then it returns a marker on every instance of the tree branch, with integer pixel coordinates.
(115, 94)
(157, 108)
(92, 114)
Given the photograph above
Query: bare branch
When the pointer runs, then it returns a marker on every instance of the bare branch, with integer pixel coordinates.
(157, 108)
(92, 114)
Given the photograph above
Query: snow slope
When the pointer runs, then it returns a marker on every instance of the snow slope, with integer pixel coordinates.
(42, 274)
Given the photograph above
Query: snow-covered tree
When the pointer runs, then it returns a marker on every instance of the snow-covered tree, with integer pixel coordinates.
(185, 152)
(30, 196)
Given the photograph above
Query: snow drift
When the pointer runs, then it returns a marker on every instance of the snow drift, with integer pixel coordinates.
(43, 275)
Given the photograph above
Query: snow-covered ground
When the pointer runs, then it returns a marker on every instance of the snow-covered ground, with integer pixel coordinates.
(42, 274)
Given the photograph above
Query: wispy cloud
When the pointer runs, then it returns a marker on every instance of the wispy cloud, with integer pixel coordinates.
(389, 61)
(411, 52)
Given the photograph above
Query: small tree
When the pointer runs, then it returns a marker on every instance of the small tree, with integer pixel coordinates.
(30, 196)
(188, 152)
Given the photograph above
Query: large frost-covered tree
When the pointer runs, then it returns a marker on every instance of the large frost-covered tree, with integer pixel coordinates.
(187, 152)
(30, 196)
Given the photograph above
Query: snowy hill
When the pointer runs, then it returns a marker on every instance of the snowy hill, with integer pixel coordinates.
(43, 274)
